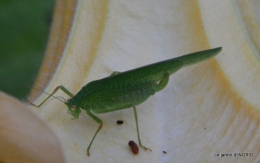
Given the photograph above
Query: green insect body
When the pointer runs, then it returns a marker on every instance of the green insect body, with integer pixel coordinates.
(127, 89)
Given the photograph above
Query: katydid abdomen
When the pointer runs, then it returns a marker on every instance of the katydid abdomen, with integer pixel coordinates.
(130, 99)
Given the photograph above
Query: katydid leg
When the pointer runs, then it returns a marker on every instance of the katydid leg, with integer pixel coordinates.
(137, 128)
(161, 84)
(98, 129)
(55, 90)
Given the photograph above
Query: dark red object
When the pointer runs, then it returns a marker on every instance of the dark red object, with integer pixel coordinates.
(134, 147)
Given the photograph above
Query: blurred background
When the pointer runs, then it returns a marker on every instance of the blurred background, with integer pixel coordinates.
(24, 32)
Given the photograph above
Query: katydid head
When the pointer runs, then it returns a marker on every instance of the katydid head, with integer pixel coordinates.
(74, 110)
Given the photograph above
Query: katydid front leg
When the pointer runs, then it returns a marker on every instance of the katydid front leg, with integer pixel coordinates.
(99, 121)
(55, 90)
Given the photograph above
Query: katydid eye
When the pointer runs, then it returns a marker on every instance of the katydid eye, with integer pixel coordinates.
(73, 107)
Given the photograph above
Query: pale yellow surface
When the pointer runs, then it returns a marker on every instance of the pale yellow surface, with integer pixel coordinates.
(206, 109)
(24, 138)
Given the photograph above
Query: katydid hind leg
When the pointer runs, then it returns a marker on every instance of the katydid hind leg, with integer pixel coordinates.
(55, 90)
(162, 83)
(137, 128)
(99, 121)
(157, 88)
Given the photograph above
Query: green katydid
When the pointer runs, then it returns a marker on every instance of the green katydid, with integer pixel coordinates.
(127, 89)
